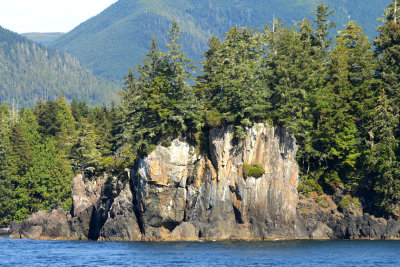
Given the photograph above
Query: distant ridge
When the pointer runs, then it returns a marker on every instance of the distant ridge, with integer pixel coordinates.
(30, 71)
(44, 38)
(115, 40)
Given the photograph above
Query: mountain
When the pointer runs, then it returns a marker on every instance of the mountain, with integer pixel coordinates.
(29, 71)
(115, 40)
(43, 38)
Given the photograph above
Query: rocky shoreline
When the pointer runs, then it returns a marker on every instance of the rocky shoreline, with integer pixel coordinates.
(176, 195)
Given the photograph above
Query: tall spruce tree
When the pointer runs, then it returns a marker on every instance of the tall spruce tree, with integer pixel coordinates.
(160, 103)
(232, 84)
(387, 46)
(382, 167)
(296, 72)
(7, 196)
(347, 97)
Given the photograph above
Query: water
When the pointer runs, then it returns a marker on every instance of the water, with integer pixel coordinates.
(14, 252)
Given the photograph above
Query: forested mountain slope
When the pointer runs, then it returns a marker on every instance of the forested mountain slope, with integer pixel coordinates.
(29, 72)
(113, 41)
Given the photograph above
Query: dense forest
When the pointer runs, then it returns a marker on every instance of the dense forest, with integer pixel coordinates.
(113, 41)
(29, 72)
(339, 98)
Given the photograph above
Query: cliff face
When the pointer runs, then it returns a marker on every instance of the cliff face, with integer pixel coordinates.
(176, 194)
(173, 186)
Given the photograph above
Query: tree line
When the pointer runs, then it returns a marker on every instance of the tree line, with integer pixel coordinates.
(339, 97)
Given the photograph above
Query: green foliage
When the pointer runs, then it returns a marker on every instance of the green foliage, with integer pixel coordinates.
(160, 104)
(6, 179)
(322, 202)
(387, 47)
(349, 202)
(307, 186)
(39, 151)
(86, 153)
(253, 170)
(229, 66)
(214, 118)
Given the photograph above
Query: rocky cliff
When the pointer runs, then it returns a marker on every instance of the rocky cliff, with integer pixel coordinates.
(177, 194)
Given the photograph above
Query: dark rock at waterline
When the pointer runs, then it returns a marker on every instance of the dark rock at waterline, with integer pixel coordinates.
(321, 222)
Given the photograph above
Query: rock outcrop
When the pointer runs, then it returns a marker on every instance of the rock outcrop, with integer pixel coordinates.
(177, 194)
(173, 185)
(58, 224)
(328, 223)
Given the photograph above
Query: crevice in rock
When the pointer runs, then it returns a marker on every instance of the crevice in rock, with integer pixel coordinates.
(200, 234)
(237, 192)
(138, 214)
(99, 218)
(238, 215)
(186, 211)
(94, 227)
(100, 214)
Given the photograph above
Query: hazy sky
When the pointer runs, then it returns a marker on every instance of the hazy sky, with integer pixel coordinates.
(48, 15)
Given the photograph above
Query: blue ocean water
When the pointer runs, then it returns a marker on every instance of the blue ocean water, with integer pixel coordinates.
(14, 252)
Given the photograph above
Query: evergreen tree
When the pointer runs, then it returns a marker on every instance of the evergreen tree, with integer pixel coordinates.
(323, 26)
(383, 169)
(388, 51)
(30, 129)
(85, 153)
(7, 207)
(296, 68)
(232, 84)
(206, 81)
(187, 115)
(160, 104)
(347, 97)
(21, 152)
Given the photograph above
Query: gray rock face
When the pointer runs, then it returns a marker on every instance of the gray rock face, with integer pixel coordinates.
(43, 225)
(121, 223)
(173, 185)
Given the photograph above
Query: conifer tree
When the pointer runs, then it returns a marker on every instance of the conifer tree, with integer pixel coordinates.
(186, 116)
(7, 196)
(21, 151)
(296, 73)
(382, 165)
(86, 155)
(323, 26)
(388, 51)
(348, 94)
(206, 81)
(30, 128)
(160, 103)
(232, 83)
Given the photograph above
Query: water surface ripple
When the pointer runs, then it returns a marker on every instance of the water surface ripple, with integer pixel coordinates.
(15, 252)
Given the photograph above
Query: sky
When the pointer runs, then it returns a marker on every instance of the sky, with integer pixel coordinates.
(23, 16)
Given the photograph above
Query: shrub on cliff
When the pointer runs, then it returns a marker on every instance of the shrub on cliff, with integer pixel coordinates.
(349, 202)
(254, 170)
